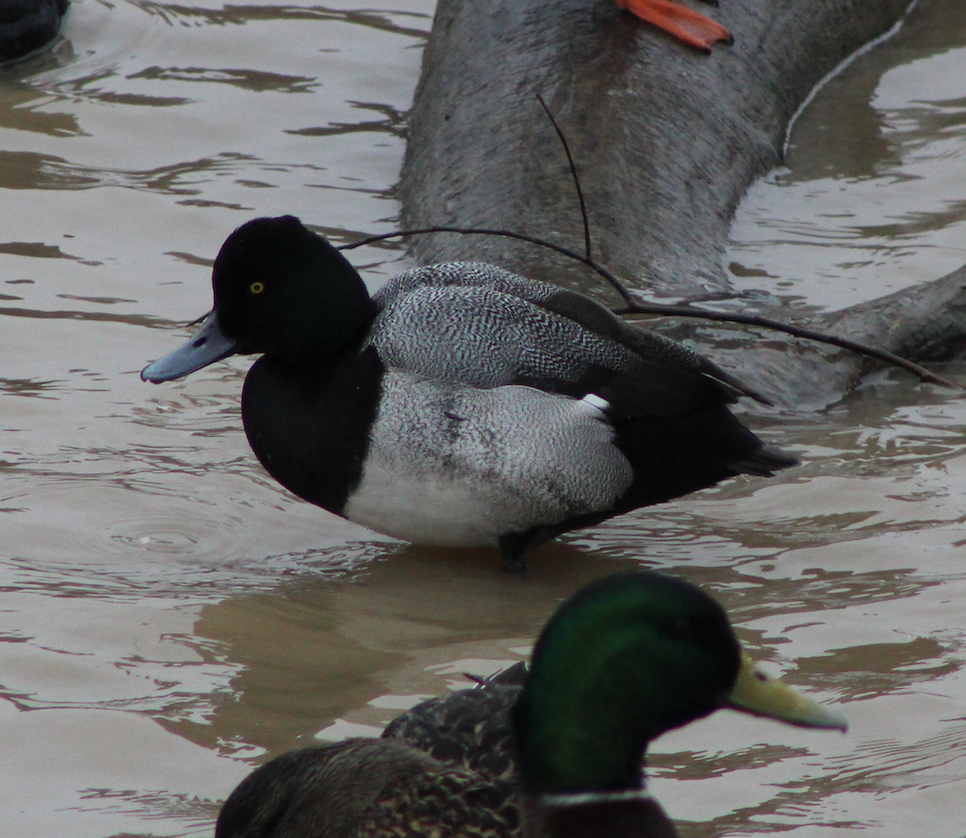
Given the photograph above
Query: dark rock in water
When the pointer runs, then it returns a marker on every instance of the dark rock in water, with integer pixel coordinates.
(28, 25)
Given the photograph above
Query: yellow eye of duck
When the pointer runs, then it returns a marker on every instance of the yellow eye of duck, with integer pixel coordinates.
(256, 287)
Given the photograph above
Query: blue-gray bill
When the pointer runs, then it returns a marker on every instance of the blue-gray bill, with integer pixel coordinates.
(206, 346)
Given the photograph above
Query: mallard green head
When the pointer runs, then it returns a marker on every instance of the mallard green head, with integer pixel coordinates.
(624, 660)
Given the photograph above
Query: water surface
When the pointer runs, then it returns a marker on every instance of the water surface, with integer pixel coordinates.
(170, 617)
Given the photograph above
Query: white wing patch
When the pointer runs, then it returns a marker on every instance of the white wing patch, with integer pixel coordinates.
(596, 401)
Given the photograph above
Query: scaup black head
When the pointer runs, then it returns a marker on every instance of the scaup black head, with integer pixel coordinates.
(283, 289)
(279, 288)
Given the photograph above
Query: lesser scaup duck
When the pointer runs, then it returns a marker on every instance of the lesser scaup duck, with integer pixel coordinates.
(625, 659)
(461, 405)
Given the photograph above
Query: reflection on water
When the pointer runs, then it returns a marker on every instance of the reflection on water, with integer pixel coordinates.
(168, 615)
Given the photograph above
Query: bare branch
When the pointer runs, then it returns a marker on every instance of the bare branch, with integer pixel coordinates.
(632, 307)
(573, 175)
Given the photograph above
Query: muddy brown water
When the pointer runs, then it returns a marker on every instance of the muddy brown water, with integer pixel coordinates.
(169, 617)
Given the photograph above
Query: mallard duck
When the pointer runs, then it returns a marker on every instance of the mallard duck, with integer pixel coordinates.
(683, 23)
(625, 659)
(463, 405)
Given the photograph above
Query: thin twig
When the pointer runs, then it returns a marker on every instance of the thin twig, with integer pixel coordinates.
(679, 311)
(573, 175)
(559, 248)
(794, 331)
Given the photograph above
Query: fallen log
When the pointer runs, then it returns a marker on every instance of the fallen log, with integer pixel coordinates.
(666, 139)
